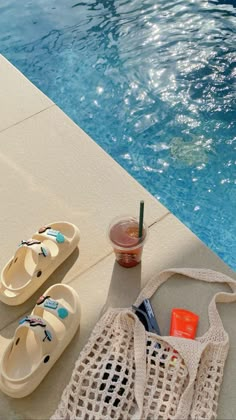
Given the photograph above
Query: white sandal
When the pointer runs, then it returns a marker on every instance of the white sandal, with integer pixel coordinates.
(35, 260)
(39, 340)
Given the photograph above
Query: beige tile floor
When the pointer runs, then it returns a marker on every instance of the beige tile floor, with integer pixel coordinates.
(19, 98)
(51, 170)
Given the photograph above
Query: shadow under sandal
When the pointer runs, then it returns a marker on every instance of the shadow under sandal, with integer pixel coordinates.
(39, 341)
(35, 260)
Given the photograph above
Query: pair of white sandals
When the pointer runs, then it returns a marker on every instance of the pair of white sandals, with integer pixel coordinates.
(42, 336)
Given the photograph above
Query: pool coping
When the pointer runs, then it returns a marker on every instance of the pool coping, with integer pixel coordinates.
(52, 170)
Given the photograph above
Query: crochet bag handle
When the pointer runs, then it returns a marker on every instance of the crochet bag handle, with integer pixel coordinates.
(199, 274)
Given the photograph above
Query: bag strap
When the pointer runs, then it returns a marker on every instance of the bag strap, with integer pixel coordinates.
(140, 366)
(198, 274)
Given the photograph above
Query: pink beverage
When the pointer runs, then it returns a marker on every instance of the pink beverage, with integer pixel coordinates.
(128, 247)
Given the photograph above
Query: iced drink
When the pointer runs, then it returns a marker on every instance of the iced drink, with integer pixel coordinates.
(128, 247)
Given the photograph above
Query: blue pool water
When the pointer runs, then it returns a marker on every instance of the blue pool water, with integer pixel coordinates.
(152, 82)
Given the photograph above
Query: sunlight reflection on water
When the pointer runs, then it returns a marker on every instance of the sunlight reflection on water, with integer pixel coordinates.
(137, 76)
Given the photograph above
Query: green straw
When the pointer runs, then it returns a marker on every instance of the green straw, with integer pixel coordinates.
(140, 227)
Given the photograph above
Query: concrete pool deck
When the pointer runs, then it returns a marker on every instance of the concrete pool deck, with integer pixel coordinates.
(51, 170)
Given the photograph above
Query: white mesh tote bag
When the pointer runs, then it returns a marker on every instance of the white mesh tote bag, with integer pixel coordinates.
(125, 372)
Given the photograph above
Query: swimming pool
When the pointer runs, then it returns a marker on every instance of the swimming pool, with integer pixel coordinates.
(153, 84)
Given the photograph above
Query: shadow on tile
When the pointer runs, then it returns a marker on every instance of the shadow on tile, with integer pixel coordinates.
(124, 287)
(9, 314)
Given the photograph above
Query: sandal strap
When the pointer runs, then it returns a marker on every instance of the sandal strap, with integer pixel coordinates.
(46, 338)
(41, 328)
(53, 234)
(35, 246)
(53, 306)
(43, 256)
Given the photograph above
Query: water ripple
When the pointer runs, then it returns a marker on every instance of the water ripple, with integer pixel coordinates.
(137, 76)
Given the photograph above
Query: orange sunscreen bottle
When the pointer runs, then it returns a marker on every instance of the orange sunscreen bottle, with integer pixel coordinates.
(183, 323)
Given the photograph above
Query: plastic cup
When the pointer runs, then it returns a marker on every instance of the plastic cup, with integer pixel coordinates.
(128, 247)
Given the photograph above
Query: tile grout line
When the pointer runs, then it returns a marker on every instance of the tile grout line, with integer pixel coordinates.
(27, 118)
(160, 219)
(111, 252)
